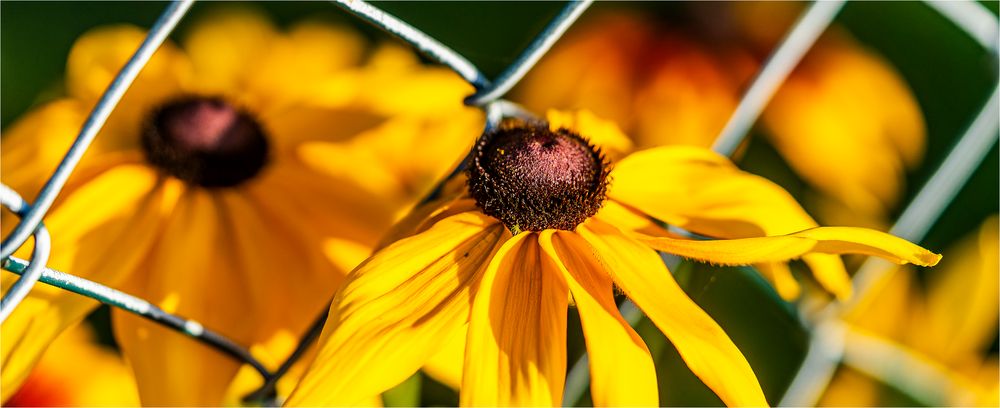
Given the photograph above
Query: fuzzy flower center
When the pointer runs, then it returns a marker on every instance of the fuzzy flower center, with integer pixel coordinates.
(205, 141)
(532, 178)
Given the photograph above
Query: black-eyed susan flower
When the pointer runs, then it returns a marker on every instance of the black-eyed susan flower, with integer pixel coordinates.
(545, 221)
(947, 323)
(842, 115)
(204, 195)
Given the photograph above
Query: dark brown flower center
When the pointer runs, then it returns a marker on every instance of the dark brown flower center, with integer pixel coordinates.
(532, 178)
(205, 142)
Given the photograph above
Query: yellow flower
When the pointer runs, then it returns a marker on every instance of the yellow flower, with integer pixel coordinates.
(204, 194)
(843, 115)
(949, 323)
(542, 222)
(77, 372)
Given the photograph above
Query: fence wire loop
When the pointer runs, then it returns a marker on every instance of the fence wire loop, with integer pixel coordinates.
(973, 18)
(39, 255)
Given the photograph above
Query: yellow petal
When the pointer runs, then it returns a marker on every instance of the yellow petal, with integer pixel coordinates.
(516, 349)
(425, 216)
(192, 274)
(861, 120)
(392, 312)
(703, 345)
(98, 56)
(279, 265)
(705, 193)
(292, 65)
(101, 232)
(445, 366)
(395, 82)
(828, 240)
(781, 277)
(224, 44)
(621, 369)
(602, 133)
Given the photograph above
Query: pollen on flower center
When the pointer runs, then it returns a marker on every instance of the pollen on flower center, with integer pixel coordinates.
(205, 141)
(532, 178)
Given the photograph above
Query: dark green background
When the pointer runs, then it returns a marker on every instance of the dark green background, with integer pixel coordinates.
(949, 74)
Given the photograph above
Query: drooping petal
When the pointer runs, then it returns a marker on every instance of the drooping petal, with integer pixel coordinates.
(704, 346)
(703, 192)
(828, 240)
(100, 232)
(621, 368)
(516, 348)
(190, 274)
(392, 312)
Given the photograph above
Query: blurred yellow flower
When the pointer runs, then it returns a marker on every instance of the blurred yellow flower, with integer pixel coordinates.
(949, 323)
(842, 116)
(77, 372)
(539, 224)
(236, 184)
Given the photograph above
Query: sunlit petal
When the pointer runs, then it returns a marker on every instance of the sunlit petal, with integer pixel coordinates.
(393, 311)
(828, 240)
(621, 368)
(703, 345)
(516, 349)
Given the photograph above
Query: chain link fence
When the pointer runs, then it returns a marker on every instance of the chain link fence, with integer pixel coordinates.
(826, 348)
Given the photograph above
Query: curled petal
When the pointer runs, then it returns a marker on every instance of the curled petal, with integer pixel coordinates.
(704, 346)
(827, 240)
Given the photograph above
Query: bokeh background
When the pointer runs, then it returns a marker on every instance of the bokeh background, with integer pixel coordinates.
(948, 73)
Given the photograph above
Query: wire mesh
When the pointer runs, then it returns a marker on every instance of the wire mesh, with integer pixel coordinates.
(827, 349)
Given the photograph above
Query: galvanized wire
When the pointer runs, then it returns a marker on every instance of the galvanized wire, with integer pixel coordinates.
(109, 100)
(530, 56)
(138, 306)
(39, 255)
(824, 353)
(422, 42)
(923, 211)
(779, 65)
(972, 17)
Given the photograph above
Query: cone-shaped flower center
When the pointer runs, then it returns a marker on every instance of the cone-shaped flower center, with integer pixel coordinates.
(533, 178)
(205, 141)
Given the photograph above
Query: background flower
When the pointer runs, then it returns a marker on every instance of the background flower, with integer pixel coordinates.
(252, 246)
(678, 84)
